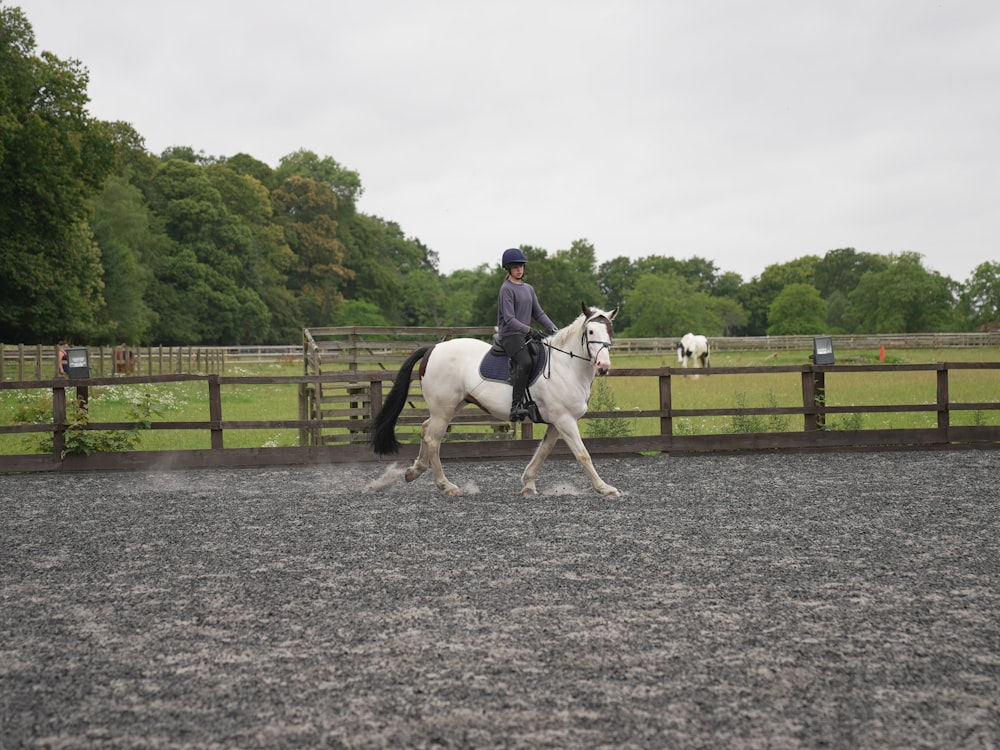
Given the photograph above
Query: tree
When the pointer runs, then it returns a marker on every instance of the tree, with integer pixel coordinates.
(423, 299)
(122, 229)
(247, 165)
(840, 270)
(757, 296)
(53, 159)
(381, 258)
(345, 183)
(564, 280)
(306, 209)
(904, 298)
(202, 291)
(798, 309)
(268, 257)
(730, 312)
(728, 285)
(616, 279)
(358, 313)
(838, 313)
(375, 278)
(459, 297)
(131, 159)
(484, 289)
(980, 300)
(668, 305)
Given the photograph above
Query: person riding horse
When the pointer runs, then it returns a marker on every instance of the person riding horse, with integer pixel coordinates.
(517, 306)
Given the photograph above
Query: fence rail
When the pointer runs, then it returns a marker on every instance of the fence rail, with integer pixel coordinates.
(805, 343)
(378, 345)
(368, 387)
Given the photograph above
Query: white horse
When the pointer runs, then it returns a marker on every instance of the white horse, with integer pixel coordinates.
(694, 349)
(450, 378)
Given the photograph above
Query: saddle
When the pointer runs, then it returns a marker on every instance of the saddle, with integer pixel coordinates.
(496, 366)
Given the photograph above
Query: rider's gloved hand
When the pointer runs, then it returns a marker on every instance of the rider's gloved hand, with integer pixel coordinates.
(535, 334)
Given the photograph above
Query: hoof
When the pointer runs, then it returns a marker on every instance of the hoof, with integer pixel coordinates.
(453, 492)
(610, 492)
(411, 475)
(529, 492)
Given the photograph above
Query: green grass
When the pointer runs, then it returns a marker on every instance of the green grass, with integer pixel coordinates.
(188, 401)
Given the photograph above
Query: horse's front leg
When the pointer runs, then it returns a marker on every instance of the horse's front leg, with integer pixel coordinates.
(535, 464)
(571, 434)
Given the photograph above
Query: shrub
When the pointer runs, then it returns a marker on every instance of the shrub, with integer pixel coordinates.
(602, 398)
(748, 423)
(79, 440)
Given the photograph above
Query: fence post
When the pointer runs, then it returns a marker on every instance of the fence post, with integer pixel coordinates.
(58, 420)
(943, 414)
(215, 411)
(813, 396)
(303, 413)
(375, 395)
(666, 405)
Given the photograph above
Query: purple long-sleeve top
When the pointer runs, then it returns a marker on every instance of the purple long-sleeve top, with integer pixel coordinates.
(517, 306)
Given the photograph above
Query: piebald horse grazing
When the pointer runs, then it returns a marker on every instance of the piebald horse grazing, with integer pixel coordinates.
(694, 349)
(452, 375)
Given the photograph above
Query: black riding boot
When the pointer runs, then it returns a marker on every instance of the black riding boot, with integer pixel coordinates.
(519, 378)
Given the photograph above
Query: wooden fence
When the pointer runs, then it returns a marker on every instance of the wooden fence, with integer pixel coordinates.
(22, 362)
(851, 342)
(369, 386)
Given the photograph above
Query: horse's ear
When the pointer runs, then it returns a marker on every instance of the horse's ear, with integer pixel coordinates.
(586, 310)
(614, 312)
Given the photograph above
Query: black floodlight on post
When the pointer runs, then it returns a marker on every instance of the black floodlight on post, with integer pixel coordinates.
(822, 351)
(77, 362)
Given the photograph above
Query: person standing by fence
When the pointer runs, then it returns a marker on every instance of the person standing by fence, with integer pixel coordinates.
(61, 358)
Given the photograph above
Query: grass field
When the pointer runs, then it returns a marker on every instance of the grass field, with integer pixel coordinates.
(189, 401)
(785, 390)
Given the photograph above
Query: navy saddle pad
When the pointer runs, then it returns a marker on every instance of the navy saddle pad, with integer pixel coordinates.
(497, 366)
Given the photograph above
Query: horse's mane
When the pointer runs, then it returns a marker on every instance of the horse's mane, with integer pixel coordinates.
(565, 337)
(574, 331)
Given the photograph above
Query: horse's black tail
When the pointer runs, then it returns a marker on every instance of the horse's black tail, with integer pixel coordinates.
(384, 426)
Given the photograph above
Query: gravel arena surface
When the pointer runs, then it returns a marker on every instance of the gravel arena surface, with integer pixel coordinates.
(762, 601)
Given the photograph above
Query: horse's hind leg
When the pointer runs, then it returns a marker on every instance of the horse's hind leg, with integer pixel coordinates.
(419, 465)
(430, 454)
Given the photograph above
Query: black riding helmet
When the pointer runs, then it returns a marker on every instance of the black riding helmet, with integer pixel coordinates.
(512, 257)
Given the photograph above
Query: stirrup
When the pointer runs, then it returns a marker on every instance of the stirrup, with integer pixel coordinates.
(518, 413)
(526, 410)
(533, 414)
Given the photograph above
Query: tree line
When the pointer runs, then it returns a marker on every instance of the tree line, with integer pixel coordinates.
(103, 242)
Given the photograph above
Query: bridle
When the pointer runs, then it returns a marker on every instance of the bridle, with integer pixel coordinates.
(585, 341)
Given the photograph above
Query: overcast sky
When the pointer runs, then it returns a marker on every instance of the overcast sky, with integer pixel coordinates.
(747, 133)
